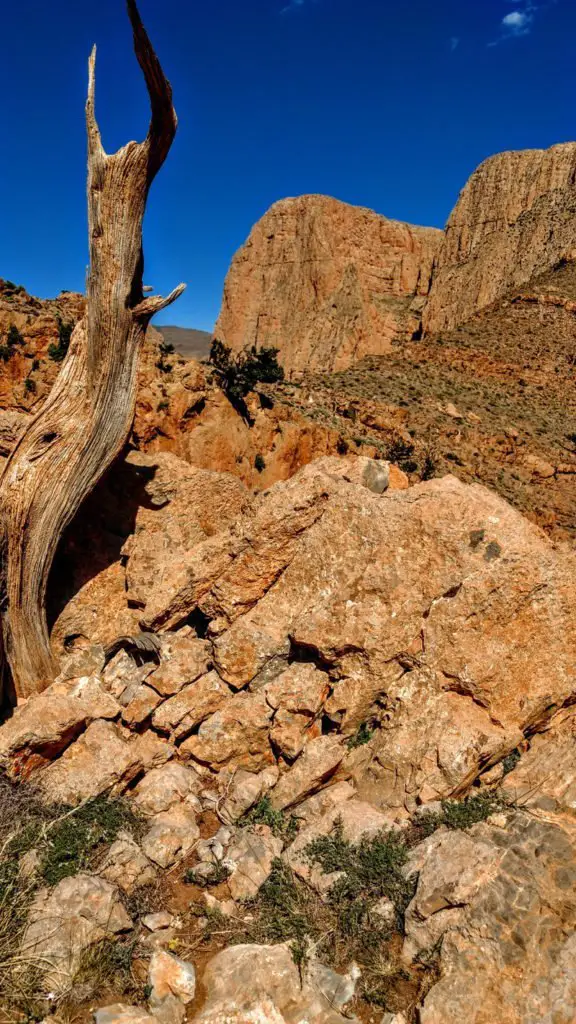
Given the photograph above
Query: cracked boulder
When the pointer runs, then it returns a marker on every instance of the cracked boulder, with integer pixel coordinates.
(47, 723)
(498, 903)
(105, 758)
(438, 615)
(250, 983)
(65, 921)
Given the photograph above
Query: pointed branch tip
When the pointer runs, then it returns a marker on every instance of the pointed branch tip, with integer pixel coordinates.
(149, 307)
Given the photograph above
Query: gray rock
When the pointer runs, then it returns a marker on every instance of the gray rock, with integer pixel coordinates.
(66, 920)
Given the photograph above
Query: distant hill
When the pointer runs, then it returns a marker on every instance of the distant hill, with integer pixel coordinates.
(188, 342)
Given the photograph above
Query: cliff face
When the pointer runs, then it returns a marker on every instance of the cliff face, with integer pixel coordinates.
(327, 283)
(516, 218)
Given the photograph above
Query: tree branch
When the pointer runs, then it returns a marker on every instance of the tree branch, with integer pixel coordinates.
(147, 309)
(164, 122)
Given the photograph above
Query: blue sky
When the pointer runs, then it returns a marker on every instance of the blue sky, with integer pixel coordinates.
(385, 104)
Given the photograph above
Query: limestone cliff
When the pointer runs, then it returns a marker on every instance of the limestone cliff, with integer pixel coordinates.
(515, 218)
(327, 283)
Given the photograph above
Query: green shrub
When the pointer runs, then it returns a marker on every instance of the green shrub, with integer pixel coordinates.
(14, 336)
(240, 374)
(6, 353)
(371, 869)
(163, 405)
(75, 838)
(30, 386)
(363, 735)
(58, 352)
(259, 463)
(283, 826)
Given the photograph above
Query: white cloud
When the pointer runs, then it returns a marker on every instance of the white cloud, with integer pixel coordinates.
(516, 20)
(519, 23)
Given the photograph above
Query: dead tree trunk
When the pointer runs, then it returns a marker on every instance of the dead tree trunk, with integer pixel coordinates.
(88, 415)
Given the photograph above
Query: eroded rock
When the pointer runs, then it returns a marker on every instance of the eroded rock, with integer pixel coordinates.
(65, 921)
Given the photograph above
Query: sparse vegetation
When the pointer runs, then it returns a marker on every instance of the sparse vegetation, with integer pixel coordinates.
(457, 814)
(259, 463)
(58, 352)
(39, 846)
(362, 736)
(107, 967)
(402, 454)
(163, 405)
(74, 840)
(30, 386)
(284, 826)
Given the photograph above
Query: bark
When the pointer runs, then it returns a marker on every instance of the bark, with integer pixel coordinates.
(87, 417)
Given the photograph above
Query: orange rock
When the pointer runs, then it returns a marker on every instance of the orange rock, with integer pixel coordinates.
(326, 283)
(512, 222)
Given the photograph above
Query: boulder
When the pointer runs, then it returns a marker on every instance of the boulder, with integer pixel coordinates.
(203, 503)
(105, 758)
(163, 787)
(126, 866)
(173, 984)
(320, 759)
(196, 702)
(172, 835)
(65, 921)
(183, 660)
(235, 736)
(250, 983)
(246, 789)
(252, 854)
(499, 902)
(297, 696)
(46, 724)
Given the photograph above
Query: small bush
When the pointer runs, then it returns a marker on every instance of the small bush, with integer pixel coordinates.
(14, 337)
(510, 761)
(30, 386)
(163, 405)
(240, 374)
(283, 826)
(401, 453)
(259, 463)
(457, 814)
(372, 869)
(363, 735)
(35, 365)
(58, 352)
(6, 353)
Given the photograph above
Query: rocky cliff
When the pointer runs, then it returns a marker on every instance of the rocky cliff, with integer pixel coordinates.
(516, 218)
(327, 283)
